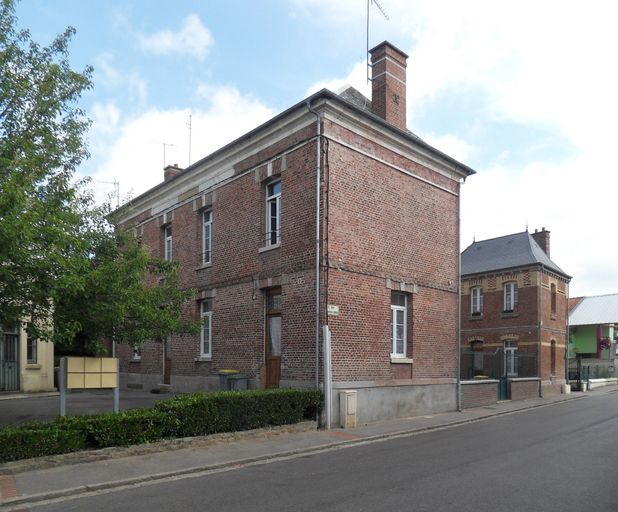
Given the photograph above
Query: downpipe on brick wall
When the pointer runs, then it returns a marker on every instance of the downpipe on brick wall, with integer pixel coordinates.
(459, 408)
(317, 245)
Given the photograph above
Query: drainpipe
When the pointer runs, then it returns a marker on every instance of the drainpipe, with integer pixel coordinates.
(459, 408)
(317, 244)
(540, 335)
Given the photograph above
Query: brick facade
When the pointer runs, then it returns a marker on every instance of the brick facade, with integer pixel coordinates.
(536, 328)
(388, 223)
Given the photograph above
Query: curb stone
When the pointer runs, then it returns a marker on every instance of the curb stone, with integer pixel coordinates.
(262, 459)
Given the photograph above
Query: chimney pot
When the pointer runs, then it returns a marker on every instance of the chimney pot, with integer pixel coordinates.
(170, 171)
(388, 83)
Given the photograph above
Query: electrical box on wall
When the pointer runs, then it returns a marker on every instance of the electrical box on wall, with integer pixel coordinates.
(347, 408)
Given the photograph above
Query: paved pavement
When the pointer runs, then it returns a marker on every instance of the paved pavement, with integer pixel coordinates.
(19, 408)
(48, 479)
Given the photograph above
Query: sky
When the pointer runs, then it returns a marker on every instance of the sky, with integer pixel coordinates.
(523, 92)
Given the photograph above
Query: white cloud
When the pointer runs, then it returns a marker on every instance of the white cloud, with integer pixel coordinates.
(109, 77)
(539, 64)
(357, 78)
(450, 144)
(192, 39)
(134, 155)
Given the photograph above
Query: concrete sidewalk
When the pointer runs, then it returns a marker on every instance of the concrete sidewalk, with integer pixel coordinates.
(52, 478)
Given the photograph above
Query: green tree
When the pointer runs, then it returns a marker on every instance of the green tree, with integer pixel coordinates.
(123, 294)
(41, 132)
(61, 262)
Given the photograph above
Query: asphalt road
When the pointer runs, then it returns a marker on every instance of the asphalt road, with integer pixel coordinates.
(559, 458)
(45, 408)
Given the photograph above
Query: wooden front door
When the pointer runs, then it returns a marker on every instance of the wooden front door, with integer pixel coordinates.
(272, 342)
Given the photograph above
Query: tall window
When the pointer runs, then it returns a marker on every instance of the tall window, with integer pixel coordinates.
(206, 331)
(510, 297)
(476, 299)
(399, 302)
(207, 236)
(31, 349)
(553, 299)
(168, 243)
(510, 358)
(273, 213)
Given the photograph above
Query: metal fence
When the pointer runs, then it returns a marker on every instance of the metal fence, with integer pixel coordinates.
(497, 364)
(583, 369)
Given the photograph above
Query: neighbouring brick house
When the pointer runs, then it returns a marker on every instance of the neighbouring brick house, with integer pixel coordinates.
(244, 225)
(514, 315)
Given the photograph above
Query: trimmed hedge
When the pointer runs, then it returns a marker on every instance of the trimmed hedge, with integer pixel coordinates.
(230, 411)
(181, 416)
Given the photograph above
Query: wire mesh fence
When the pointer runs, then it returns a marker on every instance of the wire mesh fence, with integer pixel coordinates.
(497, 364)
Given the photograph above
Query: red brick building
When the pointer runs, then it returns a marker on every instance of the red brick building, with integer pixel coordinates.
(330, 213)
(514, 314)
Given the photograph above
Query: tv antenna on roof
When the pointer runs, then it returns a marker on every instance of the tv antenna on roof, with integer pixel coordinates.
(189, 125)
(165, 145)
(116, 184)
(381, 9)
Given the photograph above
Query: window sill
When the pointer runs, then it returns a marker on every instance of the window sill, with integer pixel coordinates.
(509, 314)
(203, 359)
(33, 366)
(473, 318)
(204, 265)
(135, 361)
(269, 248)
(401, 360)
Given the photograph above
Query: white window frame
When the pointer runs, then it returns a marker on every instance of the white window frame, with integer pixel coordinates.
(273, 236)
(137, 353)
(206, 332)
(476, 300)
(167, 234)
(207, 236)
(510, 297)
(395, 309)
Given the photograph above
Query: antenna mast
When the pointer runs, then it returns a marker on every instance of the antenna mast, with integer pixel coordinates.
(165, 144)
(116, 184)
(189, 125)
(381, 9)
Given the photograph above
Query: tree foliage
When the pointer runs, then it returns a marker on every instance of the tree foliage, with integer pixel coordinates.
(124, 294)
(41, 131)
(60, 258)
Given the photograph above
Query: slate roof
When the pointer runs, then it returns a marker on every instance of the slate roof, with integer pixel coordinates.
(598, 309)
(506, 252)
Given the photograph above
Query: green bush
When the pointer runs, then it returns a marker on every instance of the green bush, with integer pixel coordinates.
(37, 439)
(136, 426)
(229, 411)
(181, 416)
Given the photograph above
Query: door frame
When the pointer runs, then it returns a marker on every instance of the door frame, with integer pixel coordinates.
(272, 364)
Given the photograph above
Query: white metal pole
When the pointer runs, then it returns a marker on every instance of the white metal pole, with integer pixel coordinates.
(328, 378)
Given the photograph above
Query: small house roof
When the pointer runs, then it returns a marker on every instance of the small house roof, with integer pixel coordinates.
(505, 252)
(594, 310)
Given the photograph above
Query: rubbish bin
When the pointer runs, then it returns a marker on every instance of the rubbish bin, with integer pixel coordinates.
(224, 376)
(237, 382)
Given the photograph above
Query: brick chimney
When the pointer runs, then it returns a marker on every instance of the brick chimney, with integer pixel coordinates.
(170, 171)
(542, 238)
(388, 84)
